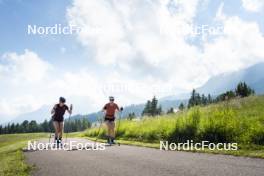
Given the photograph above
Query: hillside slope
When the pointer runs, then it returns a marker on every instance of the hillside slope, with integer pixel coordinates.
(237, 120)
(253, 76)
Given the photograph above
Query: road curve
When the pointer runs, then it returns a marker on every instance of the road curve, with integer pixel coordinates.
(136, 161)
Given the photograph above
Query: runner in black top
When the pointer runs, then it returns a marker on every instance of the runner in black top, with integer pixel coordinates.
(58, 112)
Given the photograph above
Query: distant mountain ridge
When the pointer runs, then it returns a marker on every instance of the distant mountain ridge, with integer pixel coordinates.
(39, 115)
(137, 109)
(253, 76)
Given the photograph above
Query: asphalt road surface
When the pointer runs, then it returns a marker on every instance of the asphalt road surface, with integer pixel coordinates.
(136, 161)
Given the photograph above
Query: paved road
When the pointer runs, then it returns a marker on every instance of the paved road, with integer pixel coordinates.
(136, 161)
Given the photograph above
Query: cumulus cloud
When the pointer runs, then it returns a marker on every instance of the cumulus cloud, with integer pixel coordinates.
(147, 38)
(142, 48)
(25, 89)
(240, 45)
(21, 76)
(16, 105)
(27, 67)
(253, 5)
(150, 39)
(127, 30)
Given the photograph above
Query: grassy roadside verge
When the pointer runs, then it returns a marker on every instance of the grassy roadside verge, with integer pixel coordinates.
(245, 151)
(239, 120)
(12, 161)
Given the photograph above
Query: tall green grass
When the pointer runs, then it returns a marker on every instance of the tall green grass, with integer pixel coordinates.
(12, 161)
(237, 120)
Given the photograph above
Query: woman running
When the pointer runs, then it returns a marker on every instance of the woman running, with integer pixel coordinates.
(110, 109)
(58, 112)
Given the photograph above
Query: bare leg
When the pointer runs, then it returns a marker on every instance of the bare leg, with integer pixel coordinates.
(56, 127)
(112, 129)
(60, 129)
(109, 128)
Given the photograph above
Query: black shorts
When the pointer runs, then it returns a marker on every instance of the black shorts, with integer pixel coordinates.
(57, 119)
(109, 119)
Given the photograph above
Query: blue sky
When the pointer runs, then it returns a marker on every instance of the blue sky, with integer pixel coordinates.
(16, 15)
(130, 49)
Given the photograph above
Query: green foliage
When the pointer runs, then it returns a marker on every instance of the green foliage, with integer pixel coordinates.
(131, 116)
(239, 120)
(46, 126)
(209, 99)
(195, 99)
(221, 126)
(11, 156)
(244, 90)
(225, 96)
(147, 129)
(257, 134)
(170, 111)
(181, 107)
(151, 108)
(76, 125)
(186, 127)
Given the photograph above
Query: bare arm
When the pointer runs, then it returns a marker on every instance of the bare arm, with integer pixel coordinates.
(53, 109)
(69, 111)
(104, 109)
(119, 109)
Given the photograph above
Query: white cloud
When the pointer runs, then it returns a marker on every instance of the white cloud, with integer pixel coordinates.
(239, 47)
(16, 105)
(27, 67)
(143, 37)
(140, 37)
(139, 49)
(253, 5)
(22, 79)
(28, 82)
(128, 29)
